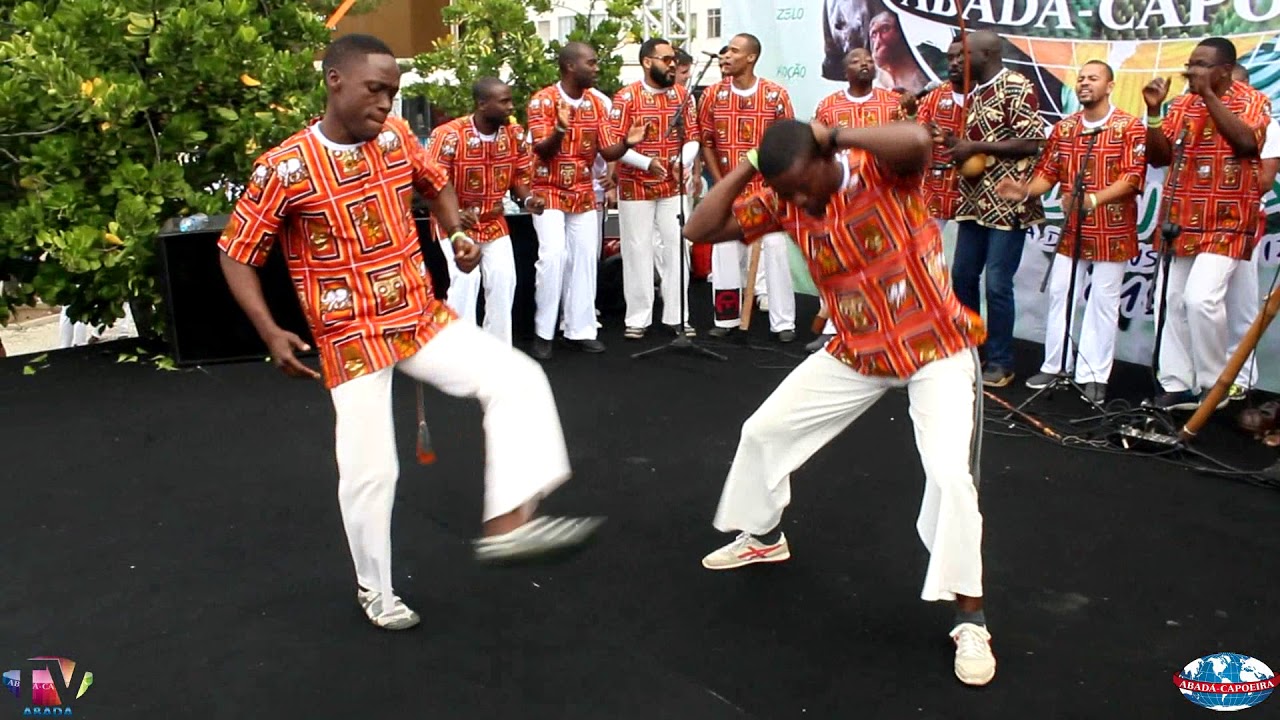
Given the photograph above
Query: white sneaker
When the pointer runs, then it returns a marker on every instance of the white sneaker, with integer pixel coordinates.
(396, 617)
(747, 549)
(975, 664)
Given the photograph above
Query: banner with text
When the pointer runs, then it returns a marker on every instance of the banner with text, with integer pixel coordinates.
(1047, 41)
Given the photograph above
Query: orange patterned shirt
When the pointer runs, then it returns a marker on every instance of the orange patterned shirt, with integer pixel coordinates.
(942, 107)
(565, 182)
(482, 169)
(733, 123)
(877, 260)
(1215, 194)
(657, 108)
(1110, 233)
(350, 242)
(839, 109)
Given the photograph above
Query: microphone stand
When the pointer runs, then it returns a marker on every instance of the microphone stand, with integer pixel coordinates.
(1169, 231)
(683, 342)
(1077, 193)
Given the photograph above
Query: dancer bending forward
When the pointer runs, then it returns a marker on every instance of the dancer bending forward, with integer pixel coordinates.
(851, 199)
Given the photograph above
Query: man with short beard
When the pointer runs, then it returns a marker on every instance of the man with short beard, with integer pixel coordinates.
(486, 156)
(1107, 237)
(649, 189)
(941, 112)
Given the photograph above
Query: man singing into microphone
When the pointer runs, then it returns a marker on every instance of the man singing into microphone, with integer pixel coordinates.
(1212, 135)
(649, 200)
(1099, 137)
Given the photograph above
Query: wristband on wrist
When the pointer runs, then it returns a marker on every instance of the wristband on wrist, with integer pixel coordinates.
(1154, 122)
(458, 234)
(753, 157)
(1093, 201)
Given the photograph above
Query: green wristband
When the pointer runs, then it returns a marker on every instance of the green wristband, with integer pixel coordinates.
(753, 157)
(459, 234)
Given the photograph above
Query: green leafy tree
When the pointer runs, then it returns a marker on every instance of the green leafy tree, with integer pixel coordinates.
(497, 38)
(118, 114)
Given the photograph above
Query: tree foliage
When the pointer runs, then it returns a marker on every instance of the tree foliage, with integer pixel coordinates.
(497, 38)
(118, 114)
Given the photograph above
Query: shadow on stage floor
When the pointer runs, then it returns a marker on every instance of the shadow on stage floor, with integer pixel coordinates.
(178, 534)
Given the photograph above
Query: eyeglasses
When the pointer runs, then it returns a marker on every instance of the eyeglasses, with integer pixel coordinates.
(664, 58)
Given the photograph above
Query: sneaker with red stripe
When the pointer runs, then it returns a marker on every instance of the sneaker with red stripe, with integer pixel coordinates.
(747, 549)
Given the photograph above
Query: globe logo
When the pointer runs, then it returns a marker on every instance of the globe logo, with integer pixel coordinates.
(1226, 681)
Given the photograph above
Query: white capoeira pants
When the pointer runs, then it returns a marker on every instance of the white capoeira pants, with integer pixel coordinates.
(497, 271)
(651, 241)
(1242, 309)
(727, 285)
(1097, 331)
(1193, 348)
(818, 400)
(525, 455)
(568, 256)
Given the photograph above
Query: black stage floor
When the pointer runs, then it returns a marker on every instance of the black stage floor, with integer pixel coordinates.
(178, 534)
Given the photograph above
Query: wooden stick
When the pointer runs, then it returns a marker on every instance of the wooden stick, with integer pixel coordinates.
(749, 302)
(1237, 361)
(338, 14)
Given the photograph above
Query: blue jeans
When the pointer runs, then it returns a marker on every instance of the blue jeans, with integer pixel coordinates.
(1000, 252)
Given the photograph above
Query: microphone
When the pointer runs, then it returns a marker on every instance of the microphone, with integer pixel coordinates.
(708, 53)
(1092, 131)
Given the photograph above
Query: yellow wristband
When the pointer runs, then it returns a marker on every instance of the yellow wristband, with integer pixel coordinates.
(1154, 122)
(753, 157)
(1093, 200)
(459, 234)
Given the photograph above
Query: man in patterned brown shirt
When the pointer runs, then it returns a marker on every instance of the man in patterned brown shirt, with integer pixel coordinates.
(1002, 124)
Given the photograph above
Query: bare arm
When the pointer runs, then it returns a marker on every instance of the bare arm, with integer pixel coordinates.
(711, 162)
(1159, 150)
(1237, 133)
(903, 148)
(713, 221)
(246, 288)
(1267, 173)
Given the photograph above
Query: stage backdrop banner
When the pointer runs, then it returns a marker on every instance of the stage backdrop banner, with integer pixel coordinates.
(804, 42)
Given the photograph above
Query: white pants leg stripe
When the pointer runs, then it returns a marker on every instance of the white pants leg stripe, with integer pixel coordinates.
(525, 453)
(818, 400)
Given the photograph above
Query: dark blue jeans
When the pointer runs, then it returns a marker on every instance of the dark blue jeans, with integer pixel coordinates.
(1000, 252)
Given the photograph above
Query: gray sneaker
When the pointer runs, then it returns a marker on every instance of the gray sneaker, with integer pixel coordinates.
(540, 537)
(1095, 392)
(818, 343)
(1040, 381)
(395, 616)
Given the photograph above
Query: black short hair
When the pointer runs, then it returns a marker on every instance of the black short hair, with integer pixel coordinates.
(753, 43)
(349, 47)
(570, 53)
(785, 143)
(683, 58)
(483, 87)
(723, 49)
(648, 46)
(1111, 74)
(1225, 49)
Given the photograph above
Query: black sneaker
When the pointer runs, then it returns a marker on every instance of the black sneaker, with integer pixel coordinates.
(590, 346)
(541, 349)
(720, 332)
(1179, 400)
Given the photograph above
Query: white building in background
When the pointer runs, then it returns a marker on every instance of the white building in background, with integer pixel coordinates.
(702, 28)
